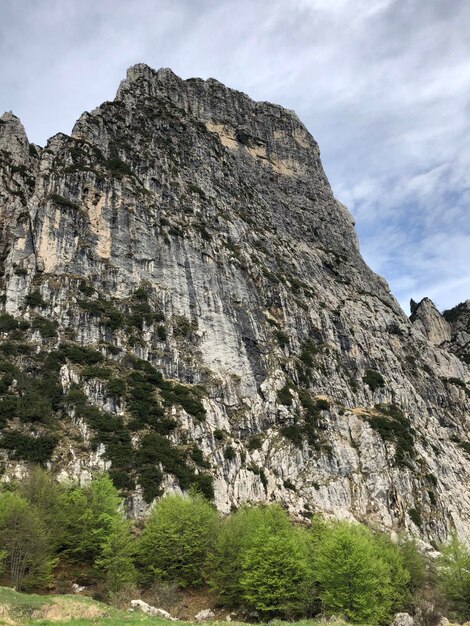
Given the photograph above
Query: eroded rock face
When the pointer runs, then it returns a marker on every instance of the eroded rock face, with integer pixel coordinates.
(427, 319)
(189, 239)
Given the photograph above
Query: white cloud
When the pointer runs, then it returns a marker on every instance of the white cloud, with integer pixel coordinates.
(381, 84)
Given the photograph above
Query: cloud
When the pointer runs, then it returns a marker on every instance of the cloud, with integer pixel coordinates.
(381, 84)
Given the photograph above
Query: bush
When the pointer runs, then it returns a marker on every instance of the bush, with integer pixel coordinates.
(255, 443)
(260, 558)
(355, 578)
(46, 327)
(7, 323)
(117, 556)
(282, 338)
(284, 395)
(276, 575)
(24, 544)
(374, 380)
(80, 354)
(177, 537)
(34, 299)
(28, 448)
(454, 577)
(88, 516)
(229, 453)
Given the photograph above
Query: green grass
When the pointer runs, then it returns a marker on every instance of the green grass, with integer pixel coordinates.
(18, 609)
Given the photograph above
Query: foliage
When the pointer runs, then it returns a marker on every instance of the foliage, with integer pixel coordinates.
(355, 578)
(393, 426)
(374, 379)
(276, 576)
(284, 395)
(117, 555)
(35, 299)
(243, 564)
(24, 542)
(27, 447)
(88, 515)
(7, 323)
(454, 577)
(46, 328)
(282, 338)
(177, 538)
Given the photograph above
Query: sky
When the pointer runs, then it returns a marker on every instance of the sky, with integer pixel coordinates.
(382, 85)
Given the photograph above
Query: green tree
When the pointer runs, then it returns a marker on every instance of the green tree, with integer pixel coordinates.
(177, 537)
(87, 516)
(257, 555)
(40, 489)
(276, 576)
(352, 580)
(27, 553)
(454, 576)
(117, 556)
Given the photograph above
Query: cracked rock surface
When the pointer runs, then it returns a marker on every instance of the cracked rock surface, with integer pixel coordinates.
(188, 238)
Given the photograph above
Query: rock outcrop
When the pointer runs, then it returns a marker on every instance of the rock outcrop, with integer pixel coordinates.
(185, 303)
(427, 319)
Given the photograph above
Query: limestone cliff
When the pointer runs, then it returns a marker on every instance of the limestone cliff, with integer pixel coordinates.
(185, 302)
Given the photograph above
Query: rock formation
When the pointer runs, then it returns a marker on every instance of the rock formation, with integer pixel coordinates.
(185, 303)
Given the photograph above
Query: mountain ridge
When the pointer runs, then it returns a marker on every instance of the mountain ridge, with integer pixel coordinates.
(185, 226)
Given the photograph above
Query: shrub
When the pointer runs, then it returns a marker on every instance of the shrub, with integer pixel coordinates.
(229, 453)
(282, 338)
(177, 537)
(187, 397)
(24, 543)
(88, 515)
(276, 574)
(294, 433)
(161, 333)
(284, 395)
(116, 387)
(95, 371)
(353, 577)
(415, 516)
(118, 168)
(7, 323)
(63, 202)
(34, 299)
(28, 448)
(374, 379)
(117, 556)
(46, 327)
(250, 561)
(255, 443)
(454, 577)
(80, 354)
(393, 426)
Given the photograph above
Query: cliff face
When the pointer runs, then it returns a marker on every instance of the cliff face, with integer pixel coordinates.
(185, 302)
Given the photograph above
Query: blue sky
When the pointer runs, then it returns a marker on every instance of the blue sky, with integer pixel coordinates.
(383, 86)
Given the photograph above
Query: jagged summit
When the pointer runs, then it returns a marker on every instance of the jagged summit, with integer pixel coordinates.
(184, 303)
(13, 138)
(428, 320)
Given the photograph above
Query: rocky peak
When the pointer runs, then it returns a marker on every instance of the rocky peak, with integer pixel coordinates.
(13, 139)
(429, 321)
(459, 320)
(188, 302)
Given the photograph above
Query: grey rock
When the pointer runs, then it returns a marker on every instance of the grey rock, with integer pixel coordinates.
(403, 619)
(151, 610)
(218, 206)
(427, 319)
(204, 615)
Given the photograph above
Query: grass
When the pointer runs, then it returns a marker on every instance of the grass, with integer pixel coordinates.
(22, 609)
